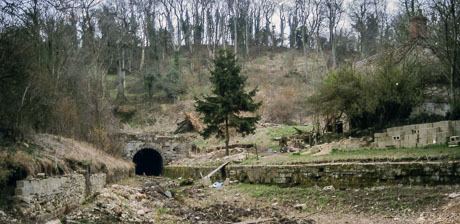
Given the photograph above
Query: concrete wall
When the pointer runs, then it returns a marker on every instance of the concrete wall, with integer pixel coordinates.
(41, 199)
(417, 135)
(346, 175)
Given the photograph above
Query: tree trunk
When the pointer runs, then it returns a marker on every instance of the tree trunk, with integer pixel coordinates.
(246, 38)
(304, 45)
(121, 77)
(142, 62)
(235, 26)
(334, 56)
(227, 137)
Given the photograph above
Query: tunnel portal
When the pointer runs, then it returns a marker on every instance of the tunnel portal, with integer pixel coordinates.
(148, 162)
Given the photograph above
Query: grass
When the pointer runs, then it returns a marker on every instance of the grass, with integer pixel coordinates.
(263, 137)
(286, 130)
(380, 200)
(365, 155)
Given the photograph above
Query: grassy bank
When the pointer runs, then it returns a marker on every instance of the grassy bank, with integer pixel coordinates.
(364, 155)
(264, 137)
(379, 200)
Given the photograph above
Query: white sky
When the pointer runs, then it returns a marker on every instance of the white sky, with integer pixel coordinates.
(392, 7)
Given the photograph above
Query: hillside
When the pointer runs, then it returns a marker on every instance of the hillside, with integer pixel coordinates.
(279, 76)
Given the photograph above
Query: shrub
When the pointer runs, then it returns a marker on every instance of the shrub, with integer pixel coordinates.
(384, 97)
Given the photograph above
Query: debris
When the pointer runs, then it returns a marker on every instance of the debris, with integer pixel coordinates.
(454, 195)
(55, 221)
(168, 194)
(126, 204)
(189, 124)
(232, 146)
(141, 212)
(329, 188)
(300, 206)
(41, 175)
(217, 185)
(454, 141)
(186, 182)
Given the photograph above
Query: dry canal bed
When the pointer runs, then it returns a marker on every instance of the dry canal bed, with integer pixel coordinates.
(162, 200)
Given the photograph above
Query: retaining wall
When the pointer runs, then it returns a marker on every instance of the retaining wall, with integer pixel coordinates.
(41, 199)
(340, 175)
(417, 135)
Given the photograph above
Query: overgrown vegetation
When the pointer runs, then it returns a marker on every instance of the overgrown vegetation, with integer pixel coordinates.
(380, 200)
(376, 98)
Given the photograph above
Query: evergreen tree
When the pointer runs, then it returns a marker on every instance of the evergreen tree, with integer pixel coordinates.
(229, 103)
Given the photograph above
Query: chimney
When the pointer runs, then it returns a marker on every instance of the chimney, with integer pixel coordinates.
(417, 27)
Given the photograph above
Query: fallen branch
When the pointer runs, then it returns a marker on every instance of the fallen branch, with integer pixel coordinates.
(244, 146)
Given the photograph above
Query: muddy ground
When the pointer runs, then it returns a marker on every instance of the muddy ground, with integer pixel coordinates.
(162, 200)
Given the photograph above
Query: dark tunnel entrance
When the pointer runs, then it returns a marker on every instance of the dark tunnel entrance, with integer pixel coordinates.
(148, 162)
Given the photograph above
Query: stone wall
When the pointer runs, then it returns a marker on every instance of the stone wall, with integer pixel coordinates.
(170, 147)
(41, 199)
(97, 183)
(340, 175)
(417, 135)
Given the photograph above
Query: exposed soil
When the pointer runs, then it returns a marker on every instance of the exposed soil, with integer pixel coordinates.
(161, 200)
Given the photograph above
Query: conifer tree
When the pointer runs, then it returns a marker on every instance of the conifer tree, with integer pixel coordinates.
(229, 105)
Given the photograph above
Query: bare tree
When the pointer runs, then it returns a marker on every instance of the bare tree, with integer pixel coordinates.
(447, 42)
(334, 9)
(283, 12)
(268, 9)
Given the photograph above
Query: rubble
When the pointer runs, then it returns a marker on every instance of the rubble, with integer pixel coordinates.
(329, 188)
(123, 204)
(148, 202)
(454, 195)
(190, 123)
(7, 218)
(300, 206)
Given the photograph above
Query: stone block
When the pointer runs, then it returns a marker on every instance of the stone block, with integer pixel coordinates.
(98, 182)
(442, 137)
(409, 141)
(442, 126)
(408, 129)
(456, 131)
(424, 126)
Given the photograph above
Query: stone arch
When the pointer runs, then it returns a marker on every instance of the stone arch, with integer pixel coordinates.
(148, 161)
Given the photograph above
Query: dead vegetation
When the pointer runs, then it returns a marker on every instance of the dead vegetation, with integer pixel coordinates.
(71, 150)
(55, 155)
(191, 123)
(143, 199)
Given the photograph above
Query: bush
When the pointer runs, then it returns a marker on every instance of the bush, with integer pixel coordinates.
(382, 98)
